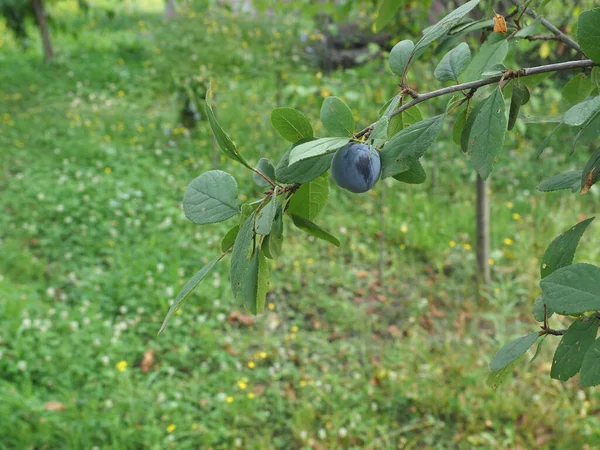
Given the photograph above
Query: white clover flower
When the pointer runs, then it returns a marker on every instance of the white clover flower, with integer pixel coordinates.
(342, 432)
(22, 366)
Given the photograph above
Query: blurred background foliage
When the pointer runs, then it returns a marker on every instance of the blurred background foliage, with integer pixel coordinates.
(383, 343)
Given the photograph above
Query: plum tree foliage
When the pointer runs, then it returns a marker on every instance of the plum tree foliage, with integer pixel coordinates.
(298, 186)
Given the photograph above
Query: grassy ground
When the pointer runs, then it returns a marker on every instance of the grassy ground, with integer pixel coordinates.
(94, 246)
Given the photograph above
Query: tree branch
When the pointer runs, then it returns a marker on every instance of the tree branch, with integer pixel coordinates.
(540, 38)
(474, 85)
(562, 36)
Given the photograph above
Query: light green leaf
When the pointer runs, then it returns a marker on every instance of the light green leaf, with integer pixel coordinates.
(582, 112)
(224, 141)
(379, 134)
(513, 350)
(486, 135)
(211, 197)
(531, 29)
(572, 348)
(405, 148)
(564, 180)
(229, 238)
(497, 378)
(443, 27)
(453, 63)
(590, 368)
(313, 229)
(385, 12)
(291, 125)
(303, 171)
(546, 140)
(264, 217)
(400, 55)
(577, 89)
(265, 167)
(588, 33)
(520, 97)
(187, 290)
(595, 77)
(573, 289)
(492, 52)
(403, 120)
(317, 147)
(414, 175)
(240, 261)
(337, 117)
(561, 251)
(310, 199)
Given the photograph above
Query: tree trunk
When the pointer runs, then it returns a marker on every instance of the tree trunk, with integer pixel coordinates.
(483, 230)
(40, 16)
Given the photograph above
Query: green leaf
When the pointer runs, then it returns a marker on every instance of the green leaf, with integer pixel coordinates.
(291, 124)
(265, 167)
(582, 112)
(590, 368)
(255, 284)
(561, 251)
(337, 117)
(405, 148)
(224, 141)
(520, 97)
(403, 120)
(513, 350)
(317, 147)
(313, 229)
(414, 175)
(187, 290)
(591, 172)
(229, 238)
(385, 12)
(492, 52)
(532, 81)
(211, 197)
(588, 33)
(443, 27)
(310, 199)
(486, 134)
(577, 89)
(572, 348)
(531, 29)
(595, 77)
(497, 378)
(459, 123)
(453, 63)
(538, 349)
(544, 144)
(573, 289)
(264, 217)
(589, 132)
(564, 180)
(538, 309)
(379, 134)
(240, 261)
(273, 242)
(303, 171)
(400, 55)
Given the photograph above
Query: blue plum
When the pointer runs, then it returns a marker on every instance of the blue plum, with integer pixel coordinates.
(356, 167)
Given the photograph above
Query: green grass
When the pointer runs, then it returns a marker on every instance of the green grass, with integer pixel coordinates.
(94, 246)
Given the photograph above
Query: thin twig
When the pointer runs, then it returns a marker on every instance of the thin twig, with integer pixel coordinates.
(562, 36)
(539, 37)
(474, 85)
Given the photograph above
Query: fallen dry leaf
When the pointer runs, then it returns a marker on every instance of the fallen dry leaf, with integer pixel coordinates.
(243, 319)
(54, 406)
(147, 360)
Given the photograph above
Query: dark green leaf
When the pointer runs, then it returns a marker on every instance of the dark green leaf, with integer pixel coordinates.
(511, 351)
(317, 147)
(303, 171)
(572, 348)
(453, 63)
(564, 180)
(492, 52)
(400, 55)
(443, 27)
(385, 12)
(573, 289)
(520, 96)
(405, 148)
(577, 89)
(582, 112)
(240, 255)
(187, 290)
(310, 199)
(590, 368)
(313, 229)
(272, 243)
(538, 309)
(561, 251)
(337, 117)
(291, 125)
(459, 123)
(229, 238)
(379, 134)
(414, 175)
(486, 135)
(588, 33)
(211, 197)
(255, 284)
(265, 167)
(265, 217)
